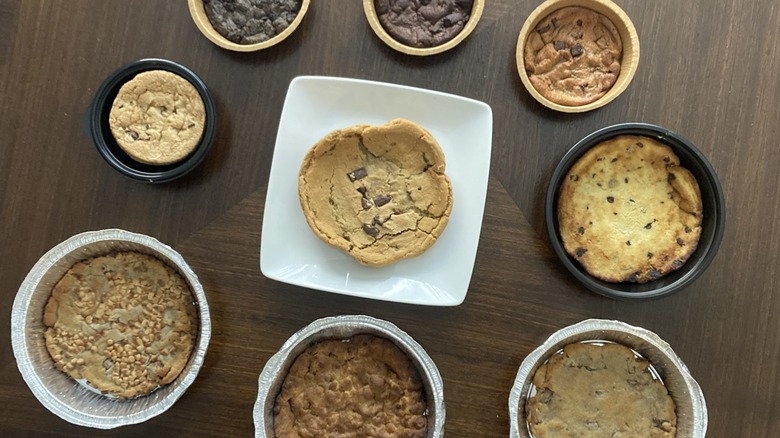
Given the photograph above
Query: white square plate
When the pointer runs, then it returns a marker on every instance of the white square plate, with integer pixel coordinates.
(315, 106)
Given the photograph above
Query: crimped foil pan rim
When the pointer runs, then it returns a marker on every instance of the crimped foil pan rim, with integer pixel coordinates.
(517, 423)
(19, 323)
(352, 324)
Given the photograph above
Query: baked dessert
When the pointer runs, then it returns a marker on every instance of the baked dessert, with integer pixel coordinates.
(157, 118)
(123, 324)
(377, 192)
(573, 56)
(627, 210)
(591, 390)
(364, 386)
(251, 21)
(423, 23)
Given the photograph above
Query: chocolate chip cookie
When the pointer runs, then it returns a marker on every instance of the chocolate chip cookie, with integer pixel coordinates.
(593, 390)
(627, 210)
(423, 23)
(377, 192)
(573, 56)
(123, 324)
(157, 118)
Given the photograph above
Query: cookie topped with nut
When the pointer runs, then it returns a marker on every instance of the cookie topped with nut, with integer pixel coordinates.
(628, 211)
(157, 118)
(124, 324)
(379, 193)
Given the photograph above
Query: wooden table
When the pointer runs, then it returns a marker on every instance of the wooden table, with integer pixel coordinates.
(708, 71)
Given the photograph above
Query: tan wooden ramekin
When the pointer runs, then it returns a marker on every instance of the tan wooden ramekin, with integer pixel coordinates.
(628, 35)
(373, 20)
(202, 21)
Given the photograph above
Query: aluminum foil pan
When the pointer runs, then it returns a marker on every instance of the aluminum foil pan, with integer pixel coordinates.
(342, 327)
(686, 393)
(60, 394)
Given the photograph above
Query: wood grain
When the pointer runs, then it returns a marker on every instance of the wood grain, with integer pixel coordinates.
(708, 70)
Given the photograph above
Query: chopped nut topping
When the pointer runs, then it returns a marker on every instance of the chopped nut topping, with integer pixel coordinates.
(106, 323)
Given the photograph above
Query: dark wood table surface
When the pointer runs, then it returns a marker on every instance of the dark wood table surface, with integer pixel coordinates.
(708, 70)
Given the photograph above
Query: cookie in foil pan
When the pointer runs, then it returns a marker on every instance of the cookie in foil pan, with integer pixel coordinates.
(664, 365)
(368, 339)
(73, 398)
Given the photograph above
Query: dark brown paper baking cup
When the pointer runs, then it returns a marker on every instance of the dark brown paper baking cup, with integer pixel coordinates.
(97, 126)
(713, 221)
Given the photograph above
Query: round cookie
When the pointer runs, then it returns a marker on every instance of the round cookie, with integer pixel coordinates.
(157, 117)
(423, 23)
(364, 386)
(627, 211)
(123, 324)
(251, 22)
(573, 56)
(590, 390)
(377, 192)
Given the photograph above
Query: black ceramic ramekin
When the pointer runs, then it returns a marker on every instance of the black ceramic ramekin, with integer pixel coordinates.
(713, 221)
(96, 123)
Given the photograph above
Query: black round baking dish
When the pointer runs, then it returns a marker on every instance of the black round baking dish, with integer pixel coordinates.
(96, 123)
(713, 222)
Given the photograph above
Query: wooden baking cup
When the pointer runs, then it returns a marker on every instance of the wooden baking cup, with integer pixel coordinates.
(628, 35)
(373, 20)
(202, 21)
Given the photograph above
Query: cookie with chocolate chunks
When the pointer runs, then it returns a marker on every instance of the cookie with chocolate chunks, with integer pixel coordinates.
(627, 210)
(573, 56)
(377, 192)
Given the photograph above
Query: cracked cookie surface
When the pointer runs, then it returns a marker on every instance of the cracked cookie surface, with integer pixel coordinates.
(157, 118)
(124, 324)
(377, 192)
(592, 390)
(627, 210)
(573, 56)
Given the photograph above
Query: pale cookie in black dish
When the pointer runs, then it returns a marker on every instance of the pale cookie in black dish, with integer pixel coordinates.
(590, 390)
(573, 56)
(627, 210)
(124, 324)
(423, 23)
(682, 273)
(145, 114)
(377, 192)
(251, 21)
(157, 118)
